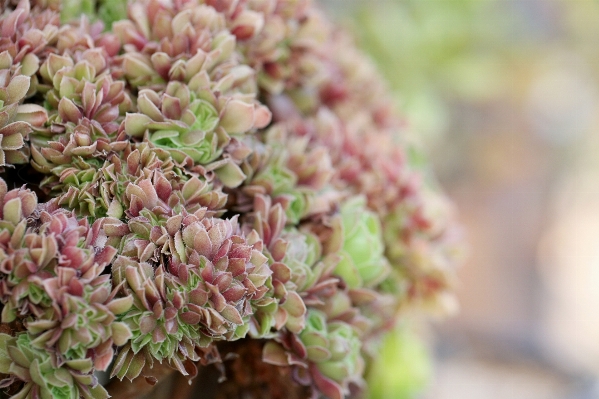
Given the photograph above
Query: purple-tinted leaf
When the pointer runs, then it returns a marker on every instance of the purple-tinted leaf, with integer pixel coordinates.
(15, 128)
(234, 293)
(280, 271)
(33, 114)
(191, 318)
(232, 315)
(198, 297)
(326, 386)
(69, 111)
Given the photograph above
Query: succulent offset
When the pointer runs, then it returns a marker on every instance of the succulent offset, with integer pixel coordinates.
(176, 175)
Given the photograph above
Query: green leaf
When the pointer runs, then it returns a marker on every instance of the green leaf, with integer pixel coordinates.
(5, 360)
(72, 9)
(111, 11)
(402, 369)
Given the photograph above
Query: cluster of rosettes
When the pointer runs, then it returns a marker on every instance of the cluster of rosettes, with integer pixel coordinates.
(52, 285)
(203, 171)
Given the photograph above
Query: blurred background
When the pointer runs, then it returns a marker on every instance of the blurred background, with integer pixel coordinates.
(504, 98)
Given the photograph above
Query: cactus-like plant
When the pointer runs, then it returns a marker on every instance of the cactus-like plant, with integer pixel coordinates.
(195, 176)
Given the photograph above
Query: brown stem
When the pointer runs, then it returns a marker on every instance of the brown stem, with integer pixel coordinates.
(248, 377)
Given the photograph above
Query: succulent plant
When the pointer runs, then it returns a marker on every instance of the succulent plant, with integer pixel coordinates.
(195, 127)
(327, 355)
(291, 171)
(87, 104)
(53, 273)
(29, 36)
(15, 118)
(194, 175)
(334, 347)
(362, 263)
(42, 375)
(207, 276)
(282, 305)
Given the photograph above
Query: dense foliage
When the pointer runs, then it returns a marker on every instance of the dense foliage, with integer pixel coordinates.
(200, 172)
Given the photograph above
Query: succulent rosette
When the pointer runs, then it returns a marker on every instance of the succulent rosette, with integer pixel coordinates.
(51, 282)
(16, 118)
(42, 376)
(195, 127)
(197, 97)
(28, 36)
(193, 277)
(185, 178)
(362, 263)
(283, 305)
(292, 172)
(326, 353)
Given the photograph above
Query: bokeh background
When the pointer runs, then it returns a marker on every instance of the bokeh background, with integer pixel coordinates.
(503, 96)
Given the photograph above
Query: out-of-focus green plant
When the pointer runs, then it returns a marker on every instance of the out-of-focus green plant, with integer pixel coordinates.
(403, 368)
(433, 52)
